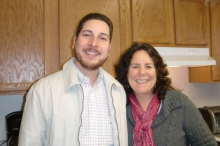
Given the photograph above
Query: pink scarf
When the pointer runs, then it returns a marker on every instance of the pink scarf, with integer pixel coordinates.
(143, 135)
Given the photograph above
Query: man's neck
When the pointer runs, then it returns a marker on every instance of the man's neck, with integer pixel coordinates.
(91, 74)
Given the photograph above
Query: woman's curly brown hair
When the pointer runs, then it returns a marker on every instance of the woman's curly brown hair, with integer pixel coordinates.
(163, 82)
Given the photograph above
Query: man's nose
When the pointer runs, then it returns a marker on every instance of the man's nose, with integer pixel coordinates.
(93, 42)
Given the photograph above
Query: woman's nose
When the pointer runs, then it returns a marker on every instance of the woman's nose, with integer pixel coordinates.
(142, 70)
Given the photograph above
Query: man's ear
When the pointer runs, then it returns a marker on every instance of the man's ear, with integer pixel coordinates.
(109, 49)
(74, 41)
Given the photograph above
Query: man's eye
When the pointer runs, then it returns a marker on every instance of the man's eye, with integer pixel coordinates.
(103, 38)
(86, 35)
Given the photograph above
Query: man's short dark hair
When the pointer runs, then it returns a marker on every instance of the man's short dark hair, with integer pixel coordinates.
(95, 16)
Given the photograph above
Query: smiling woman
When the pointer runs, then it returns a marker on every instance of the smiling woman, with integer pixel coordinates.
(157, 114)
(142, 77)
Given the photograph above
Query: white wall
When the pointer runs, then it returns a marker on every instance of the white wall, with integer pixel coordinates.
(201, 94)
(8, 104)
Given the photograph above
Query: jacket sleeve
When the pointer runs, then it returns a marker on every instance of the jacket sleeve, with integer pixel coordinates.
(197, 131)
(33, 125)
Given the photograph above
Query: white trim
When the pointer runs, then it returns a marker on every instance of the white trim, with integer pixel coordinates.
(190, 57)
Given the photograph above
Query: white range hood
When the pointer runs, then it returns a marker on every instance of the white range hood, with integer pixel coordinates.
(189, 57)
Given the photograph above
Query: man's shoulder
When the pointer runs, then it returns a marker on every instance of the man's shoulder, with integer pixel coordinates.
(109, 78)
(52, 76)
(49, 79)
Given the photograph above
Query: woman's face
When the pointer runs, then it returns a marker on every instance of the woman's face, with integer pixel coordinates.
(141, 73)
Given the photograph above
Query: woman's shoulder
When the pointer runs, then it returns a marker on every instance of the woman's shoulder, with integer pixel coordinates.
(172, 93)
(175, 97)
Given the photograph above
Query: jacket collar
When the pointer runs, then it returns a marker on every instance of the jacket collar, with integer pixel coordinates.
(170, 103)
(69, 75)
(71, 79)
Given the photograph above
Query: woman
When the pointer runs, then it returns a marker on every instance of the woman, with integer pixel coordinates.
(157, 114)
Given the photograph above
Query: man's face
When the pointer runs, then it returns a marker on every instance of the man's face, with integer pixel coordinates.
(92, 46)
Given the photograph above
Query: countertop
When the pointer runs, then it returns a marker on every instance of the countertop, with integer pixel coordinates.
(217, 137)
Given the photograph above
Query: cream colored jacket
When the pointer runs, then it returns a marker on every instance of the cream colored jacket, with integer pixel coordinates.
(52, 113)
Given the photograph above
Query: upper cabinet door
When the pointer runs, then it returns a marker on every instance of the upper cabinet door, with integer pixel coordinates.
(192, 22)
(210, 74)
(72, 11)
(24, 44)
(215, 33)
(152, 21)
(21, 49)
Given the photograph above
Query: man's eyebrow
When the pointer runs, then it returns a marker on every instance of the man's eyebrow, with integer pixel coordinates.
(87, 31)
(102, 33)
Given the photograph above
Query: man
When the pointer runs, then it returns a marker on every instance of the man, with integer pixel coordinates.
(81, 104)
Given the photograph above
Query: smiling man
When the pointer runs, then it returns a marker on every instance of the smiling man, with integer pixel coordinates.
(81, 104)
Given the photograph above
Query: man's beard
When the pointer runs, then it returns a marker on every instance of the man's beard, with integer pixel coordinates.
(88, 65)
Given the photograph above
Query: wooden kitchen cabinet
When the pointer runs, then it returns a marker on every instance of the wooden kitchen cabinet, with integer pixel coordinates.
(191, 22)
(28, 39)
(36, 36)
(180, 23)
(171, 22)
(210, 74)
(152, 21)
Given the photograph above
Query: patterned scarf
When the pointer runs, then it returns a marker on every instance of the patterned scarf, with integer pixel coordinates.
(143, 135)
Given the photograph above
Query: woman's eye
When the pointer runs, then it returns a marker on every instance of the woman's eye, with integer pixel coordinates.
(135, 66)
(149, 66)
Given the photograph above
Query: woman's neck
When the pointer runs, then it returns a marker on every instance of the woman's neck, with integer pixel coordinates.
(144, 100)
